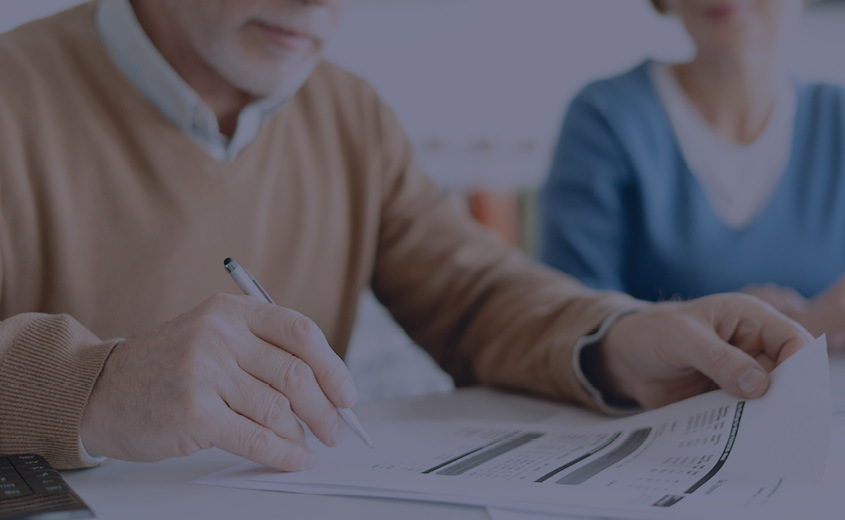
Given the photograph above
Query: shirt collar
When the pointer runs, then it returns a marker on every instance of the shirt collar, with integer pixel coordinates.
(140, 61)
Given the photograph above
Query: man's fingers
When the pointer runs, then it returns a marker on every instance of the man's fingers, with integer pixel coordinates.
(243, 437)
(293, 377)
(262, 404)
(765, 362)
(664, 353)
(760, 329)
(728, 366)
(298, 335)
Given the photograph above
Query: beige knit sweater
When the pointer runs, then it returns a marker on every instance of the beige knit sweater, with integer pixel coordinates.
(112, 222)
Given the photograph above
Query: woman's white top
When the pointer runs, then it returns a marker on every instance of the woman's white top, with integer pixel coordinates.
(737, 178)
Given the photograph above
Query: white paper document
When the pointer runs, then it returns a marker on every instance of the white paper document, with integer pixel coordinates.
(827, 504)
(708, 454)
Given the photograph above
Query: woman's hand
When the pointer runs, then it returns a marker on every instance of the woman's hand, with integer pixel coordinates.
(824, 314)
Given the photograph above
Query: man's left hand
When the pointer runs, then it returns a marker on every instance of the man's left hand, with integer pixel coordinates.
(674, 350)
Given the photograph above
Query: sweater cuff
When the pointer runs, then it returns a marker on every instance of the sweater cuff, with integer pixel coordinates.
(49, 366)
(592, 340)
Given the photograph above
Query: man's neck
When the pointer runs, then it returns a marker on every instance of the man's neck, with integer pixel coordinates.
(736, 95)
(224, 100)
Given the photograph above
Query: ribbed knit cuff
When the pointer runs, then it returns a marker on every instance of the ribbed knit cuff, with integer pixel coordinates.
(48, 367)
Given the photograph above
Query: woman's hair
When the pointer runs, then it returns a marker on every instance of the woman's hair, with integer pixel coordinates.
(658, 4)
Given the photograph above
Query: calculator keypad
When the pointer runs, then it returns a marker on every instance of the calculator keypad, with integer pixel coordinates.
(31, 488)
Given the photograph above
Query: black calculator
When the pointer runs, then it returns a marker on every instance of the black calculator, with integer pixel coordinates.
(31, 489)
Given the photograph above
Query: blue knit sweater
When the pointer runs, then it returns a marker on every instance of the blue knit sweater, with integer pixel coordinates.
(621, 209)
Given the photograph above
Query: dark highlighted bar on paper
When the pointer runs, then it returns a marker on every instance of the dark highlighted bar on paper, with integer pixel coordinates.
(461, 456)
(668, 501)
(490, 454)
(628, 446)
(575, 461)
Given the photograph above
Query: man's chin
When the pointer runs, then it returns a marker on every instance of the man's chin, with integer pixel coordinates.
(281, 82)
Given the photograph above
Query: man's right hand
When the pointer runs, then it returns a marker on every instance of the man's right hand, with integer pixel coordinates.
(234, 373)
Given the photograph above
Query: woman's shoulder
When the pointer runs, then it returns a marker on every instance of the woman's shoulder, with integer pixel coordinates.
(625, 107)
(822, 96)
(627, 101)
(820, 108)
(620, 90)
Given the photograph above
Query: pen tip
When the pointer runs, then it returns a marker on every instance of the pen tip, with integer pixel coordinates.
(227, 261)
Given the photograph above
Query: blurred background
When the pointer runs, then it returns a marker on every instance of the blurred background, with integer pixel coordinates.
(481, 86)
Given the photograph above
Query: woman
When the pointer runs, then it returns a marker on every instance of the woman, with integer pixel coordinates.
(720, 174)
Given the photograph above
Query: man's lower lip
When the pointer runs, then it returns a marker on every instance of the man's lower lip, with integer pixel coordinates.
(285, 39)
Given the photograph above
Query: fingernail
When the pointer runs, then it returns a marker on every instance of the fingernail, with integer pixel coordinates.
(337, 434)
(348, 393)
(750, 380)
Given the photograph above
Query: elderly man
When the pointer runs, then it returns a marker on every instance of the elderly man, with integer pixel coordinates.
(143, 142)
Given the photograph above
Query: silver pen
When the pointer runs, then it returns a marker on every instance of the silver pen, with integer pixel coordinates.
(251, 287)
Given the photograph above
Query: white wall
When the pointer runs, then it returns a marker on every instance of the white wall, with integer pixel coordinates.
(497, 74)
(501, 72)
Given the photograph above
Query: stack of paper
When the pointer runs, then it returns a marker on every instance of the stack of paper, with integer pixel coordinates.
(710, 455)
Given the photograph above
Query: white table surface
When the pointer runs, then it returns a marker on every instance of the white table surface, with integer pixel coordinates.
(124, 490)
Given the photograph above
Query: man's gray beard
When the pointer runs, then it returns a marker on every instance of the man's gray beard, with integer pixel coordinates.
(249, 78)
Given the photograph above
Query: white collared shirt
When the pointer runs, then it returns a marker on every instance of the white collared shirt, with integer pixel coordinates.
(141, 62)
